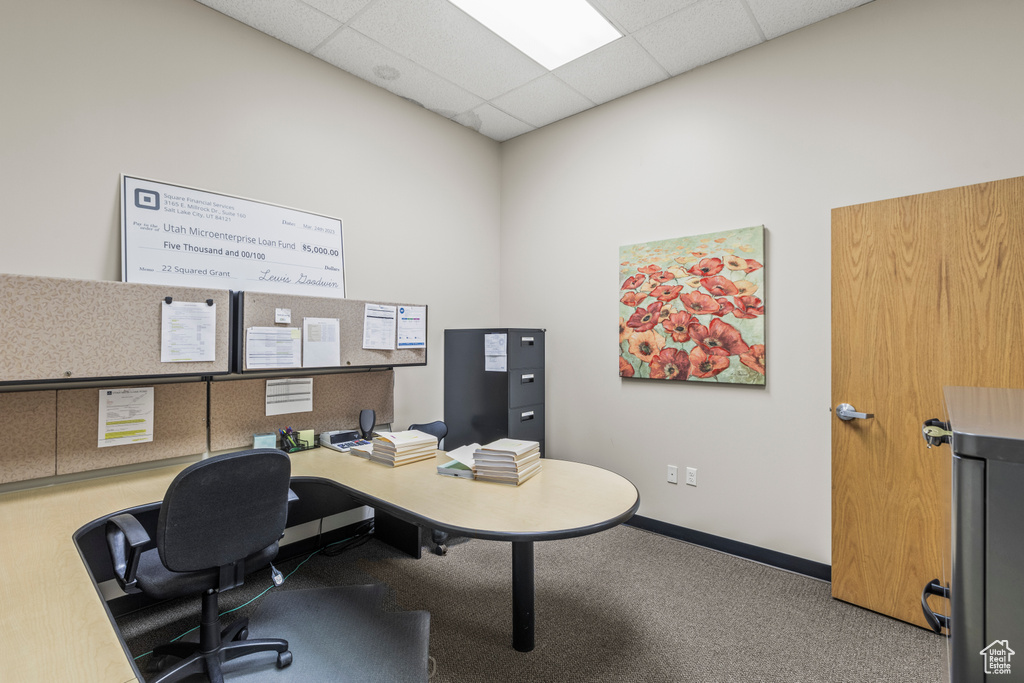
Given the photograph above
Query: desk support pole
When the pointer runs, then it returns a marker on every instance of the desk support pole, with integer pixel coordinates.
(522, 595)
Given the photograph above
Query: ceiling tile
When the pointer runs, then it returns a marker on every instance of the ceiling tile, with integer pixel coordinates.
(777, 17)
(633, 15)
(493, 123)
(542, 101)
(699, 34)
(612, 71)
(355, 53)
(342, 10)
(442, 38)
(290, 21)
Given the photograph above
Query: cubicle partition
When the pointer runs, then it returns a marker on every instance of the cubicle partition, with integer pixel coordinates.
(63, 329)
(29, 452)
(62, 341)
(258, 309)
(179, 428)
(238, 407)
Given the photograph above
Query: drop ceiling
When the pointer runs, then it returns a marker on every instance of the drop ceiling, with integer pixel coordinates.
(433, 54)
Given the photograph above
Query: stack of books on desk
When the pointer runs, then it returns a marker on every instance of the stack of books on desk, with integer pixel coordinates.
(402, 448)
(507, 461)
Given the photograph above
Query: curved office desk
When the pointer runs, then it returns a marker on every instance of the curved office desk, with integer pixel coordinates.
(55, 626)
(564, 500)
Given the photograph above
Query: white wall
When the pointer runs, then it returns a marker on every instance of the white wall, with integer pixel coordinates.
(174, 91)
(894, 98)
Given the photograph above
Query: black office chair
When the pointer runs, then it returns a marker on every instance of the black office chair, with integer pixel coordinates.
(439, 429)
(220, 518)
(436, 428)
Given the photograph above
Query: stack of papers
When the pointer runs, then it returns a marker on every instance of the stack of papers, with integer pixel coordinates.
(507, 461)
(402, 448)
(461, 463)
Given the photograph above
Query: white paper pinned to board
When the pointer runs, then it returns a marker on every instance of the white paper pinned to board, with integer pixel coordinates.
(188, 332)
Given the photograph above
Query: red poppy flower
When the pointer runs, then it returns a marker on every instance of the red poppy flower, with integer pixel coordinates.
(646, 345)
(625, 368)
(645, 319)
(719, 338)
(633, 299)
(670, 364)
(650, 270)
(752, 265)
(666, 293)
(678, 326)
(719, 286)
(748, 307)
(707, 267)
(663, 276)
(754, 358)
(724, 307)
(634, 282)
(698, 303)
(706, 365)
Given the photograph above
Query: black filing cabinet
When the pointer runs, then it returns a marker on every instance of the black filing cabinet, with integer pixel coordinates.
(487, 396)
(986, 592)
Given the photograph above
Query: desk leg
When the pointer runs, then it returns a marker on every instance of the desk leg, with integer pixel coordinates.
(522, 595)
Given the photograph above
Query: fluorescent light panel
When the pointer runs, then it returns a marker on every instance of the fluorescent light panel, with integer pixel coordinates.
(553, 32)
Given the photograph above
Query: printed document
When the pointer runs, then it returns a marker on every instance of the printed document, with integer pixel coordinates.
(321, 342)
(379, 326)
(496, 352)
(188, 332)
(293, 395)
(273, 347)
(126, 416)
(412, 327)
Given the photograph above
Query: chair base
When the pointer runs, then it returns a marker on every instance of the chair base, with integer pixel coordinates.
(210, 662)
(215, 647)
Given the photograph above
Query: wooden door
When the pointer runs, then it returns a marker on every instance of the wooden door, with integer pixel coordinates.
(927, 291)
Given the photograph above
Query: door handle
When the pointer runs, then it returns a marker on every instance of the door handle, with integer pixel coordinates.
(846, 412)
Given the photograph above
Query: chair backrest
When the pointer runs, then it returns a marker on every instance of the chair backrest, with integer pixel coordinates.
(223, 509)
(437, 428)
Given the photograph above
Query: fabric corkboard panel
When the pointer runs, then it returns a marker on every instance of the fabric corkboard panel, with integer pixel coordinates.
(258, 311)
(238, 408)
(30, 450)
(57, 328)
(179, 428)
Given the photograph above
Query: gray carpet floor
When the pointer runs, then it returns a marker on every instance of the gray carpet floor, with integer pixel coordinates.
(621, 606)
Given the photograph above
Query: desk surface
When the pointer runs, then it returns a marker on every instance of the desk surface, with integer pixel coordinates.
(53, 623)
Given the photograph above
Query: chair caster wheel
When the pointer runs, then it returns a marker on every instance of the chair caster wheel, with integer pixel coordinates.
(441, 550)
(242, 635)
(284, 659)
(158, 663)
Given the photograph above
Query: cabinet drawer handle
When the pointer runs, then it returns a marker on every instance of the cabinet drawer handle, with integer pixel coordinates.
(528, 415)
(526, 379)
(936, 622)
(526, 341)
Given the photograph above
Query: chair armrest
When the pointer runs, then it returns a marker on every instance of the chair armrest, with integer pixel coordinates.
(292, 499)
(126, 539)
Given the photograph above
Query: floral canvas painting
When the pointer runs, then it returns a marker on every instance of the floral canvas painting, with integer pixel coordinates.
(692, 308)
